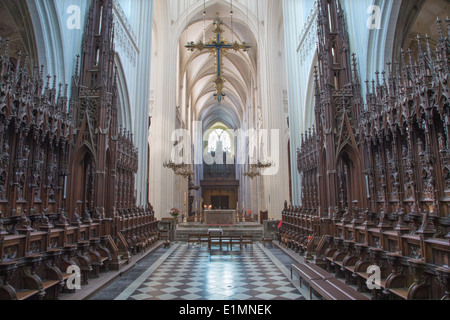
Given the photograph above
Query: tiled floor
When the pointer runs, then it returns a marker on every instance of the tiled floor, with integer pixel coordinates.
(191, 273)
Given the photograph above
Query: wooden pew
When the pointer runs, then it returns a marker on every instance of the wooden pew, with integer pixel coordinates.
(267, 241)
(193, 238)
(28, 284)
(142, 244)
(229, 242)
(236, 240)
(350, 292)
(203, 238)
(324, 283)
(232, 241)
(37, 250)
(215, 240)
(51, 275)
(400, 285)
(360, 272)
(349, 261)
(328, 291)
(153, 237)
(83, 261)
(105, 253)
(247, 240)
(68, 253)
(329, 251)
(7, 271)
(98, 255)
(338, 257)
(164, 236)
(306, 274)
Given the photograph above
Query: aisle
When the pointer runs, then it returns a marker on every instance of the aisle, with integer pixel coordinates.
(191, 273)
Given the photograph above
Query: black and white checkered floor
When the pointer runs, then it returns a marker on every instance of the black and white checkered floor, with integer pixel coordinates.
(191, 273)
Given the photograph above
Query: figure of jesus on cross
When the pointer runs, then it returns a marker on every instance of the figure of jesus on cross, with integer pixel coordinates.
(218, 47)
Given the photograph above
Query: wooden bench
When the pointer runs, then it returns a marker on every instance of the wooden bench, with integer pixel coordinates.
(236, 240)
(83, 261)
(153, 238)
(364, 276)
(104, 252)
(327, 291)
(51, 276)
(193, 238)
(308, 274)
(25, 294)
(203, 238)
(402, 286)
(68, 253)
(164, 236)
(336, 261)
(325, 284)
(214, 241)
(229, 242)
(266, 241)
(354, 294)
(65, 277)
(350, 292)
(142, 244)
(31, 285)
(247, 240)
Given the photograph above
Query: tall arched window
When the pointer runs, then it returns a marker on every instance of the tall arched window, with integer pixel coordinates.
(216, 136)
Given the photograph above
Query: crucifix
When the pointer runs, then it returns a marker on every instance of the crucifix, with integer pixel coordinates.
(218, 47)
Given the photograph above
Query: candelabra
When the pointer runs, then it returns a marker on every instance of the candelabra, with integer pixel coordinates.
(180, 169)
(255, 169)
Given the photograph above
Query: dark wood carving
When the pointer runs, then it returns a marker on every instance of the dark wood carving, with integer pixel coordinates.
(375, 174)
(67, 170)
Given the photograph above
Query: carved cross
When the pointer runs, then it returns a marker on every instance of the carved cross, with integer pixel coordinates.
(218, 47)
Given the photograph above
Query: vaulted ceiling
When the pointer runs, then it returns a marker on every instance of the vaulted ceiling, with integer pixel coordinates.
(418, 18)
(198, 68)
(16, 26)
(425, 23)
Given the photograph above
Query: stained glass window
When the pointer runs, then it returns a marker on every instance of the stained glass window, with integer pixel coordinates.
(216, 136)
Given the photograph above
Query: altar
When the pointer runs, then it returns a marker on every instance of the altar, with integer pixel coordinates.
(220, 217)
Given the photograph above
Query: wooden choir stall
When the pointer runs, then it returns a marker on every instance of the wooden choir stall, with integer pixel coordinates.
(376, 182)
(66, 172)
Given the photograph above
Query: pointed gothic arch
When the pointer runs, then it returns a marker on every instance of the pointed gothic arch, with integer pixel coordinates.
(124, 107)
(350, 176)
(81, 179)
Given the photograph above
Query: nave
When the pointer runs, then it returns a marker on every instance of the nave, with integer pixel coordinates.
(96, 164)
(190, 272)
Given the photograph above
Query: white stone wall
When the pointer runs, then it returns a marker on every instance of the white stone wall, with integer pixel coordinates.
(300, 23)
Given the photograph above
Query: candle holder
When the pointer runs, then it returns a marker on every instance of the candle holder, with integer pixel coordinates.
(181, 169)
(255, 169)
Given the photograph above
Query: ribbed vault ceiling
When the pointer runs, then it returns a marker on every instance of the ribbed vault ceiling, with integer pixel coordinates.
(198, 68)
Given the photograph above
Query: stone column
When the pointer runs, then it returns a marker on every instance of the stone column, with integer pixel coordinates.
(164, 60)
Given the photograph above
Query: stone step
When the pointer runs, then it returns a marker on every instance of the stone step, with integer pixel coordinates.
(255, 230)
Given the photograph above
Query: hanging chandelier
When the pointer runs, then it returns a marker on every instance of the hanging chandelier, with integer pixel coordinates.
(180, 169)
(255, 169)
